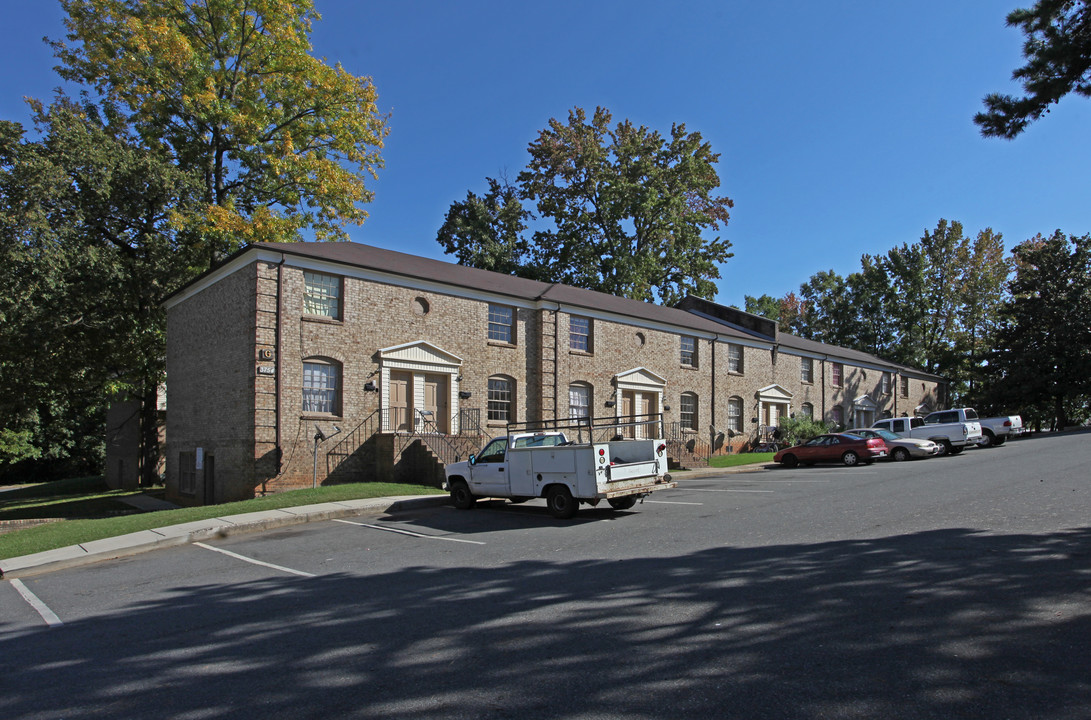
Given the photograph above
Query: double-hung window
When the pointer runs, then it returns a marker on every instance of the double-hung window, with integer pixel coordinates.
(320, 385)
(884, 385)
(836, 371)
(734, 414)
(688, 351)
(806, 370)
(734, 359)
(579, 334)
(688, 414)
(501, 323)
(579, 401)
(905, 386)
(499, 400)
(321, 295)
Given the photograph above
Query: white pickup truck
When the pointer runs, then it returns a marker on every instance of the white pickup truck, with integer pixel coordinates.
(527, 464)
(994, 430)
(952, 437)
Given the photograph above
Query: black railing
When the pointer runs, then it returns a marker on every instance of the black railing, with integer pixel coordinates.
(462, 436)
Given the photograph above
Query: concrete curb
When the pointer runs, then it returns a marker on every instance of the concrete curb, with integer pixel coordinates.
(147, 540)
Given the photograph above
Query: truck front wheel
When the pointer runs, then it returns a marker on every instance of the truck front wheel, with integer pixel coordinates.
(561, 503)
(461, 496)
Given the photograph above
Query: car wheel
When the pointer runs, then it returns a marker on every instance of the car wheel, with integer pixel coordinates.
(789, 461)
(998, 441)
(850, 458)
(622, 503)
(956, 450)
(560, 502)
(900, 454)
(945, 447)
(461, 496)
(987, 440)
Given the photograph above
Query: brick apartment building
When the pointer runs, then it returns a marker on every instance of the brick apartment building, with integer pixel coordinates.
(301, 363)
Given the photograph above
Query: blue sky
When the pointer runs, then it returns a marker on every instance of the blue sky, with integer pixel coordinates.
(843, 127)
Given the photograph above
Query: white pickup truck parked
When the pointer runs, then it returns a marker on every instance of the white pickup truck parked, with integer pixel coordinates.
(994, 430)
(952, 437)
(528, 463)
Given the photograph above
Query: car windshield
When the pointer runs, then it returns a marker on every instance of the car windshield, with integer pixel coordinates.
(887, 435)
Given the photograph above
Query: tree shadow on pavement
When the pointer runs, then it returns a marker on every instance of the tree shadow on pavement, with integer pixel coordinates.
(939, 624)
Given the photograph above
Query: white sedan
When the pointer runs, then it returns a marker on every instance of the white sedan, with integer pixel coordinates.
(901, 448)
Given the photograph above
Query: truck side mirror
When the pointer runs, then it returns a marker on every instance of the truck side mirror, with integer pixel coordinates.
(472, 459)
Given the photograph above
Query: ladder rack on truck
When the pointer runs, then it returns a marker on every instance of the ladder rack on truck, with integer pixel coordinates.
(568, 462)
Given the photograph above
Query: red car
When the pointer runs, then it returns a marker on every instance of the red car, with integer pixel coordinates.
(835, 447)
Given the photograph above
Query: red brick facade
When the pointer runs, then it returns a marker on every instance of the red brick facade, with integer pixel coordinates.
(411, 334)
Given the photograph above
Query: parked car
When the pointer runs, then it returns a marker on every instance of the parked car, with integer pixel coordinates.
(952, 437)
(994, 430)
(900, 448)
(844, 448)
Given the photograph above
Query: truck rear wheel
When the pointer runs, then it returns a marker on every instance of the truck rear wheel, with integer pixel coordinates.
(560, 502)
(461, 496)
(622, 503)
(987, 439)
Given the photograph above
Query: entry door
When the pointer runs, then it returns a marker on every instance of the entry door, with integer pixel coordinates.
(628, 402)
(864, 418)
(436, 401)
(401, 392)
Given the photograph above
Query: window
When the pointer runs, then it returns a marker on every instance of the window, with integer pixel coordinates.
(689, 351)
(321, 295)
(688, 406)
(579, 334)
(320, 386)
(807, 411)
(884, 384)
(499, 400)
(837, 416)
(836, 371)
(579, 401)
(501, 323)
(734, 414)
(905, 386)
(806, 370)
(187, 473)
(734, 359)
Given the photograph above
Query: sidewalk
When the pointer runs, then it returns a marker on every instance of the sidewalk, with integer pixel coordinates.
(145, 540)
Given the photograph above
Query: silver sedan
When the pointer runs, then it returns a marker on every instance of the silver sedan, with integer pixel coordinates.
(901, 448)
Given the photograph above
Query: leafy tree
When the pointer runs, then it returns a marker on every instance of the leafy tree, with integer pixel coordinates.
(228, 89)
(1058, 54)
(1044, 345)
(767, 306)
(87, 235)
(829, 303)
(487, 232)
(620, 209)
(980, 296)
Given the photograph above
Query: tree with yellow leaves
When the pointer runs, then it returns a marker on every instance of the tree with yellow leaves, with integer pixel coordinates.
(229, 90)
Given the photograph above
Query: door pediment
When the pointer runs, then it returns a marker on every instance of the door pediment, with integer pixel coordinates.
(864, 403)
(640, 379)
(419, 355)
(774, 394)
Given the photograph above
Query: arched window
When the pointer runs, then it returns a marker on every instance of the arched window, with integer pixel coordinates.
(321, 386)
(734, 414)
(688, 411)
(837, 416)
(579, 401)
(501, 393)
(807, 411)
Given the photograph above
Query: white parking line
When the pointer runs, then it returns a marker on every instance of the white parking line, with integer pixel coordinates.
(408, 532)
(253, 561)
(670, 502)
(48, 615)
(727, 490)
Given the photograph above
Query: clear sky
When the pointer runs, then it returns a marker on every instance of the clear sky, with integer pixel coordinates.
(843, 127)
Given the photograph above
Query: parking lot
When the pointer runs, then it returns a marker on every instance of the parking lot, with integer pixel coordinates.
(950, 587)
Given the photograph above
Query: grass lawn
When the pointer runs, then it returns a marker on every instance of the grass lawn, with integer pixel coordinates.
(93, 512)
(735, 459)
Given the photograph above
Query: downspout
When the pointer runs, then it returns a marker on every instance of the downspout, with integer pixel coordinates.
(277, 368)
(825, 361)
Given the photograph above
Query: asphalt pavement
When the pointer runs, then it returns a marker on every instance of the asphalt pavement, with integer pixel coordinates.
(201, 530)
